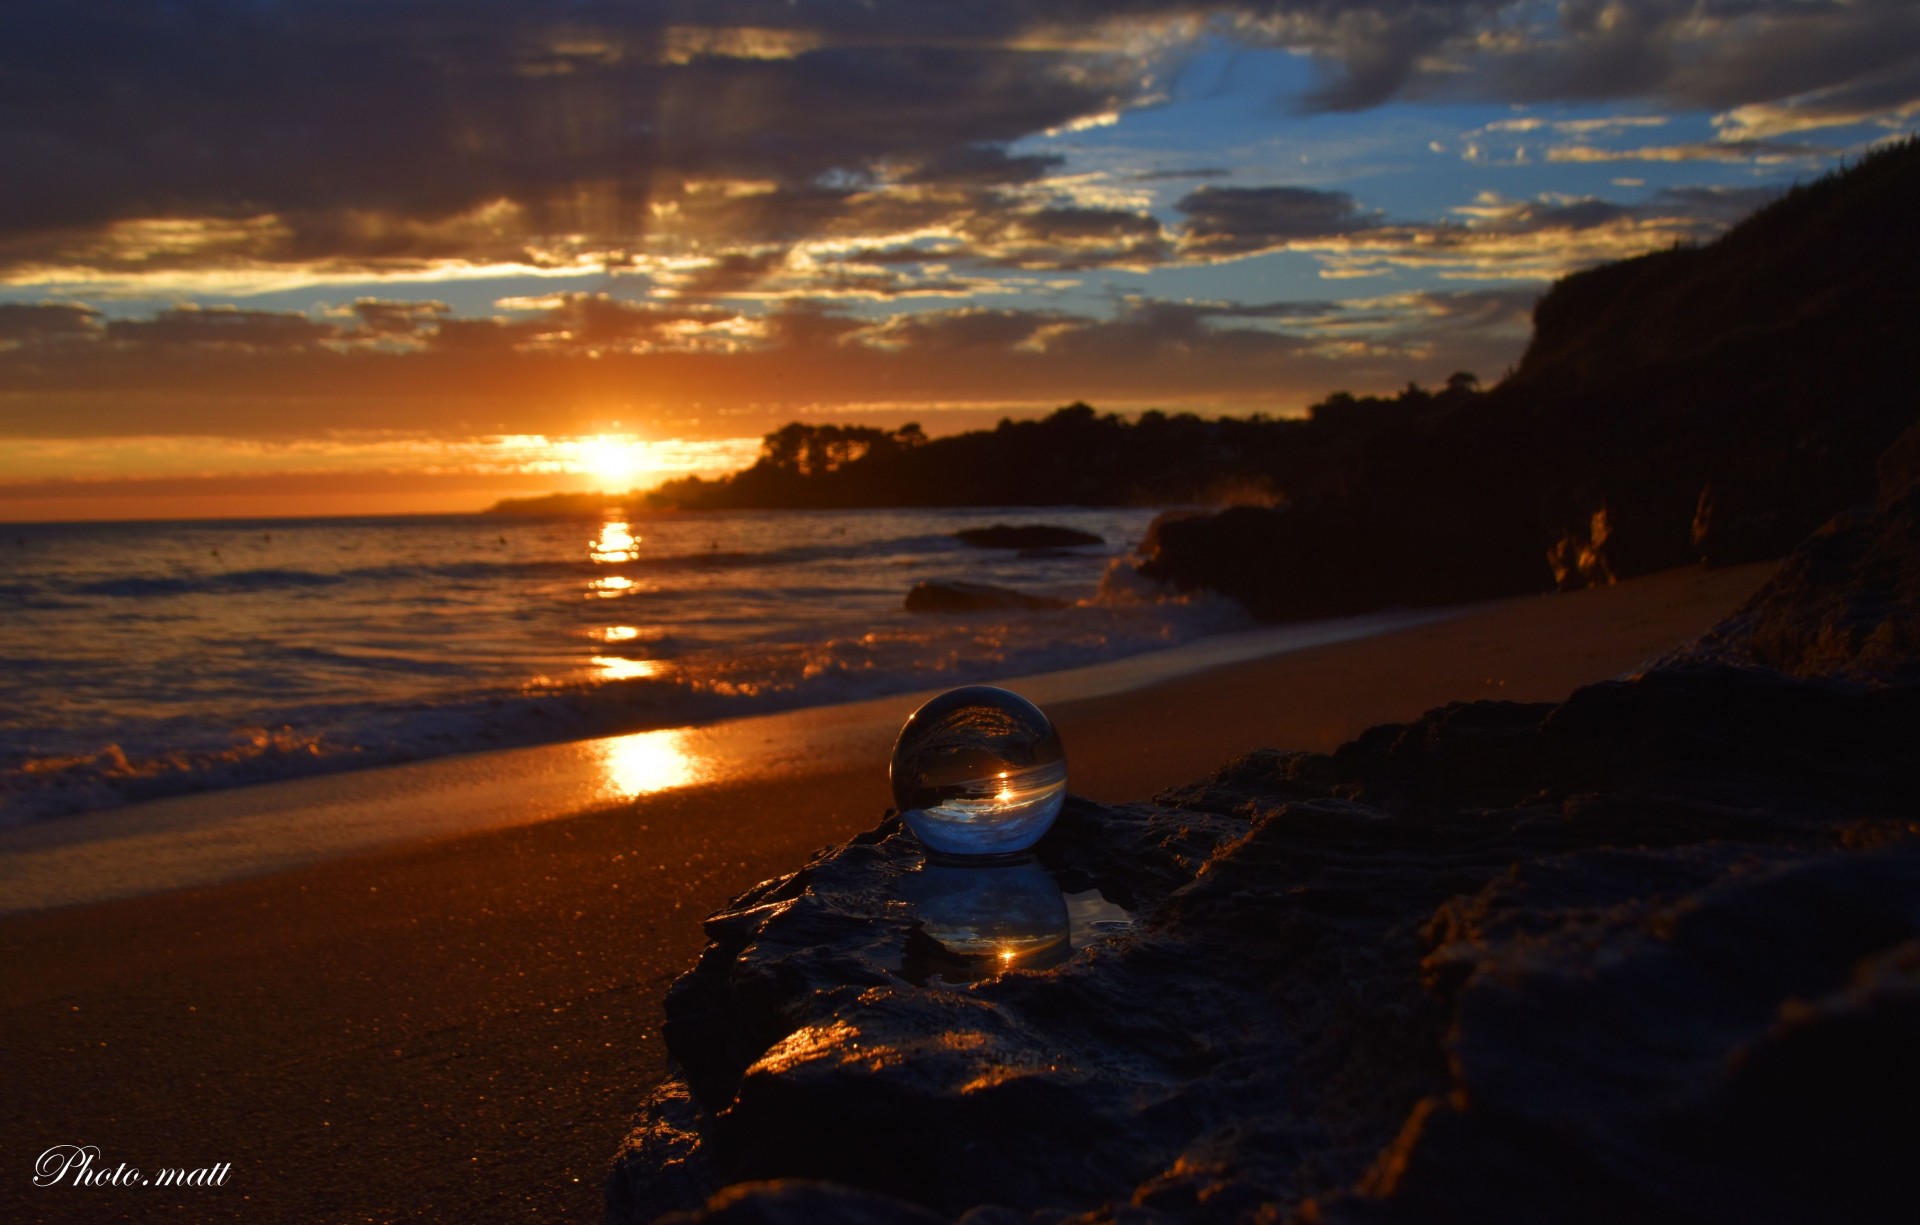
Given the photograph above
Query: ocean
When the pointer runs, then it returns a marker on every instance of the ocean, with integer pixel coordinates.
(146, 659)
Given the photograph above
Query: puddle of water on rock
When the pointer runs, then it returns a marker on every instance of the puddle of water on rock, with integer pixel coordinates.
(979, 922)
(1091, 917)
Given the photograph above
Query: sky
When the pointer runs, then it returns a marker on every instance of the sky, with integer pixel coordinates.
(385, 256)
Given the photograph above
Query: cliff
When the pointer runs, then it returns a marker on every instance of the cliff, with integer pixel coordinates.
(1700, 404)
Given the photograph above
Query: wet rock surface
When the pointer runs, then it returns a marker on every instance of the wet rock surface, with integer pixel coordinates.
(1650, 954)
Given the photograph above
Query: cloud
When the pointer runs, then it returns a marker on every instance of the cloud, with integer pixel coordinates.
(1539, 239)
(1180, 174)
(1716, 206)
(226, 143)
(383, 320)
(1674, 52)
(1582, 127)
(1890, 99)
(1065, 237)
(1231, 221)
(536, 367)
(31, 322)
(184, 326)
(353, 139)
(1740, 152)
(980, 165)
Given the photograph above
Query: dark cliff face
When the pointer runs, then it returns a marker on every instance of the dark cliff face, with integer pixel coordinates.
(1847, 604)
(1650, 954)
(1712, 404)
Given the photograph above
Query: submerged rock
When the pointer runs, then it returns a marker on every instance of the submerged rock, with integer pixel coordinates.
(1025, 536)
(1649, 954)
(959, 596)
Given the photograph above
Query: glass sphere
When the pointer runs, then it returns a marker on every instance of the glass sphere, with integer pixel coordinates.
(978, 772)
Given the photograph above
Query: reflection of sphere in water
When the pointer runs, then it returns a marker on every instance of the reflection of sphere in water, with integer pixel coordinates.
(979, 771)
(1001, 916)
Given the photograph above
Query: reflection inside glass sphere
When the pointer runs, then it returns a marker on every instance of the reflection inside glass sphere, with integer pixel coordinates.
(979, 921)
(979, 771)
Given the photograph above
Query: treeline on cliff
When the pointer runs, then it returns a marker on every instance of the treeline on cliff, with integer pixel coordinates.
(1074, 456)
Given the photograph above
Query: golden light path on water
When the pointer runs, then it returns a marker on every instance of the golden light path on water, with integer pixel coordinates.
(647, 762)
(614, 668)
(616, 543)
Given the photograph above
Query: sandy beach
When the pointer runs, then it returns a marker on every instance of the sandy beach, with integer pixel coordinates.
(455, 1027)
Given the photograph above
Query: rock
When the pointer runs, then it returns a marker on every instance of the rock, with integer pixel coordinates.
(974, 597)
(1025, 536)
(1150, 540)
(1649, 954)
(1708, 404)
(1326, 560)
(1616, 959)
(1846, 605)
(796, 1202)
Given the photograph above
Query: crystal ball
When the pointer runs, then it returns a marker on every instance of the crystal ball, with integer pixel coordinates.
(978, 772)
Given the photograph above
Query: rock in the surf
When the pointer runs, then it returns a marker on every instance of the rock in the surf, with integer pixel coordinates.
(957, 596)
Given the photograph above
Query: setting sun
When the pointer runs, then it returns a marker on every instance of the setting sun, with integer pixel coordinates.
(616, 459)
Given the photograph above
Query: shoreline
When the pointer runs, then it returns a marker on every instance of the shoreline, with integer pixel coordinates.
(464, 1026)
(232, 833)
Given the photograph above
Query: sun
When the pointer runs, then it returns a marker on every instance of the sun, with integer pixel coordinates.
(616, 459)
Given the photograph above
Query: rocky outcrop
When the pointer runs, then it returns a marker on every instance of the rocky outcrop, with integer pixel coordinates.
(1025, 536)
(1712, 404)
(1318, 560)
(960, 596)
(1650, 954)
(1848, 603)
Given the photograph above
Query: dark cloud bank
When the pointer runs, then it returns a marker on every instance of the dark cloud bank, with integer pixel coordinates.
(389, 136)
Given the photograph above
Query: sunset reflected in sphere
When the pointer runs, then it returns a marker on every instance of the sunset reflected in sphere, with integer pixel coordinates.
(988, 917)
(978, 772)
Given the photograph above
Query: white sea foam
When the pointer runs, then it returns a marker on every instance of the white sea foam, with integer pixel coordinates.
(139, 660)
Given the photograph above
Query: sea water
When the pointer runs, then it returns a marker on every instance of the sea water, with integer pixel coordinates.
(147, 659)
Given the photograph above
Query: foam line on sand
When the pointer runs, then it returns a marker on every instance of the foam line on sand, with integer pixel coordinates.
(209, 837)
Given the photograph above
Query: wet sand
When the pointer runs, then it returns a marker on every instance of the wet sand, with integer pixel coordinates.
(456, 1029)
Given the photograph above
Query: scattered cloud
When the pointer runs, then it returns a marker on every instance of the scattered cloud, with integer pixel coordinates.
(1740, 152)
(1497, 239)
(1889, 99)
(22, 322)
(261, 373)
(304, 143)
(1235, 221)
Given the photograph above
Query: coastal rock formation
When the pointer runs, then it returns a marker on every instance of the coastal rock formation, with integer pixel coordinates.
(959, 596)
(1848, 603)
(1713, 403)
(1025, 536)
(1649, 954)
